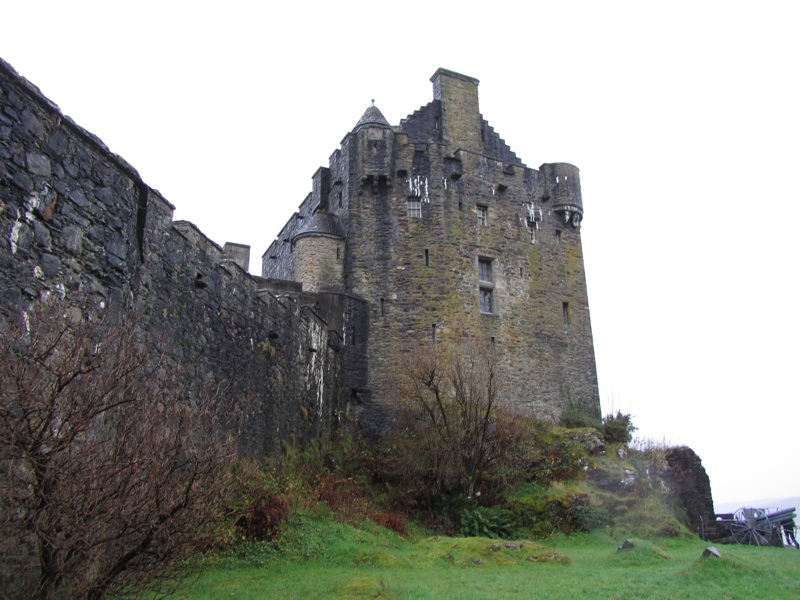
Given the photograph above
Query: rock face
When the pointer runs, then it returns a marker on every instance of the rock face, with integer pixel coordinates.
(691, 486)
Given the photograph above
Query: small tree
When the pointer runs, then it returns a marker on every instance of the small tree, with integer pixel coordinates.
(618, 429)
(451, 403)
(111, 465)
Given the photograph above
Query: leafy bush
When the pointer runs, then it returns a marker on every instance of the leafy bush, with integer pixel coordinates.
(543, 511)
(480, 521)
(588, 518)
(556, 455)
(618, 429)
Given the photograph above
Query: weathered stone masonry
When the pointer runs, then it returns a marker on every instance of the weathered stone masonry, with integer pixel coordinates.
(433, 228)
(79, 224)
(446, 234)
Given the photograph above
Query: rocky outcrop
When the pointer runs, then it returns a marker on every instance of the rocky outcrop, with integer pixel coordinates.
(691, 486)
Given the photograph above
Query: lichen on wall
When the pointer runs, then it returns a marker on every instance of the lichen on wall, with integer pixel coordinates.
(80, 226)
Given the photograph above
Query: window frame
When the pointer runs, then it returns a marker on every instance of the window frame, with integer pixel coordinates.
(486, 299)
(414, 208)
(482, 212)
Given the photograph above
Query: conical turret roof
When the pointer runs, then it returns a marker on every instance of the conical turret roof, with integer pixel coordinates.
(323, 224)
(372, 116)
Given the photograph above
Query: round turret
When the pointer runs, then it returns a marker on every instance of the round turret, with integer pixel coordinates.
(319, 253)
(563, 186)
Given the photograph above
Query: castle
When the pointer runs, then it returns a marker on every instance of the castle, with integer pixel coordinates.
(447, 235)
(431, 230)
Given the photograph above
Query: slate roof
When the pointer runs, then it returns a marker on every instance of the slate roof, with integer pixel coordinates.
(372, 116)
(323, 224)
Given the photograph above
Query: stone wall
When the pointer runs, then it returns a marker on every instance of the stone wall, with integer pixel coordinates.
(79, 225)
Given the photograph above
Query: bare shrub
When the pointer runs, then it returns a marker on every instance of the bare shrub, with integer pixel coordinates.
(446, 436)
(111, 465)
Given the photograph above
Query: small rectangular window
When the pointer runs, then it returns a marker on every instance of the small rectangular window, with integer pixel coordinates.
(486, 300)
(486, 285)
(565, 308)
(483, 214)
(427, 258)
(485, 269)
(531, 231)
(414, 208)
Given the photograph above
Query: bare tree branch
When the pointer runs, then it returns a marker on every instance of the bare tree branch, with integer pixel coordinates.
(112, 464)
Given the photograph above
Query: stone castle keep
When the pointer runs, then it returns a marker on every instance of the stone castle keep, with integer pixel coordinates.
(447, 235)
(429, 231)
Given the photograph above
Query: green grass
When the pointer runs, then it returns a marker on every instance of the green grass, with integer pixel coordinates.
(323, 559)
(320, 555)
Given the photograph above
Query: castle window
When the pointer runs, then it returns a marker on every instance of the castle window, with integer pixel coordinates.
(565, 309)
(483, 214)
(559, 235)
(486, 300)
(340, 199)
(427, 258)
(414, 208)
(436, 122)
(531, 231)
(485, 269)
(486, 285)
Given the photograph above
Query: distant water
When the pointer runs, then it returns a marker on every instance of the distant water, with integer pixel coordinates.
(779, 503)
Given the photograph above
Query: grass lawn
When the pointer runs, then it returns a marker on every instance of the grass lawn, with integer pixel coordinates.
(330, 560)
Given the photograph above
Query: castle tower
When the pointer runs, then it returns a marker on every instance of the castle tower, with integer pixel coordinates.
(374, 147)
(319, 253)
(451, 238)
(563, 189)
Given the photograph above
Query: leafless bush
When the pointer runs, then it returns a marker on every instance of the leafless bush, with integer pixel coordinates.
(446, 434)
(111, 464)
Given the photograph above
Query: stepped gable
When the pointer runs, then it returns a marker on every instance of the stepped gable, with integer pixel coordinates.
(497, 146)
(421, 125)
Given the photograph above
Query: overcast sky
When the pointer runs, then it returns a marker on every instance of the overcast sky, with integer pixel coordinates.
(682, 116)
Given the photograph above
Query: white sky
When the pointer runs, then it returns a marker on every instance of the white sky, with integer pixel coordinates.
(682, 116)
